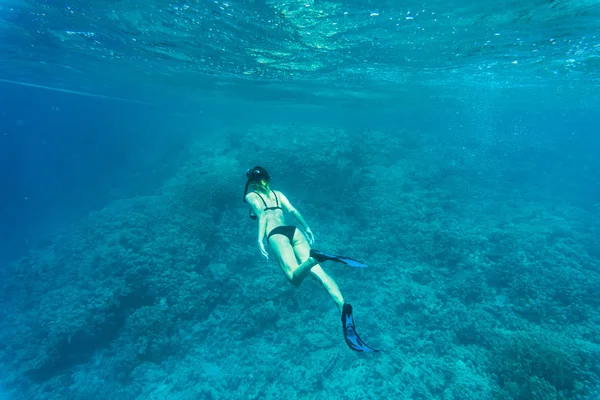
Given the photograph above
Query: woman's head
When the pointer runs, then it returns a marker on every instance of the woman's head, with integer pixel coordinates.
(258, 174)
(258, 178)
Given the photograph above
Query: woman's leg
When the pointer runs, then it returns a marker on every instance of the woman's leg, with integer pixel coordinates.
(329, 285)
(302, 251)
(286, 257)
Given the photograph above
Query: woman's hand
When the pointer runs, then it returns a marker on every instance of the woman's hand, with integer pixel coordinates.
(263, 251)
(310, 236)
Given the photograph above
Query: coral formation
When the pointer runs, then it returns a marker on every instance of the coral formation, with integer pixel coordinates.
(472, 294)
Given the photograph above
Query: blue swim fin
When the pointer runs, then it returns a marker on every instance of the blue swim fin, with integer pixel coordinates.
(320, 257)
(352, 339)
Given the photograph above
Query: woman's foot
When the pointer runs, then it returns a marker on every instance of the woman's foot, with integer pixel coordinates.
(320, 257)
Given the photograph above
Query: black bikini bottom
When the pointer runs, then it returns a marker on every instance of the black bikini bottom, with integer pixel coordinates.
(285, 230)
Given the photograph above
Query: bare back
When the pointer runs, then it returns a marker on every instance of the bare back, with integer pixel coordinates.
(269, 207)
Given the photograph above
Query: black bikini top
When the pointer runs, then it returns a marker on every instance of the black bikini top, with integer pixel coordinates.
(277, 207)
(251, 214)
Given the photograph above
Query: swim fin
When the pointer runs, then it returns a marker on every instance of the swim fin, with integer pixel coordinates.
(352, 339)
(320, 257)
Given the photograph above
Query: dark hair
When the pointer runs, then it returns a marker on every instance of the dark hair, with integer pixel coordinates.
(256, 174)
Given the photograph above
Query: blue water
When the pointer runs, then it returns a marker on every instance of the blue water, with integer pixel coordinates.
(69, 157)
(450, 146)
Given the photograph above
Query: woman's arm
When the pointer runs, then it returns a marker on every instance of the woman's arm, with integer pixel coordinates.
(262, 227)
(262, 221)
(286, 205)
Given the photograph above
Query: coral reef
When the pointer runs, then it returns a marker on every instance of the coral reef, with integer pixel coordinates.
(473, 290)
